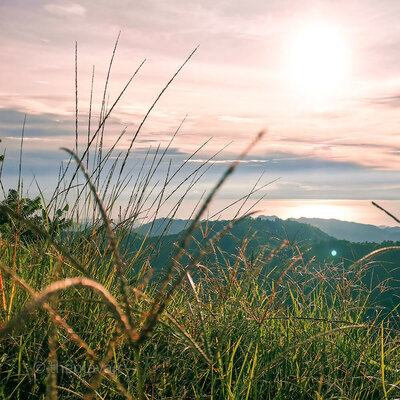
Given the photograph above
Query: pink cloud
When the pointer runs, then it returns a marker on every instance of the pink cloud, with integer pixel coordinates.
(72, 9)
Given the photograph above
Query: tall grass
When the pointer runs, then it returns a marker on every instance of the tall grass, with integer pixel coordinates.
(85, 316)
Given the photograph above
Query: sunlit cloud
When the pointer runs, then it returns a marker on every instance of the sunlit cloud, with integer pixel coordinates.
(72, 9)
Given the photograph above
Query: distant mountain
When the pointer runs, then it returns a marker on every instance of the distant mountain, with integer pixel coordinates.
(276, 229)
(354, 232)
(343, 230)
(259, 234)
(266, 227)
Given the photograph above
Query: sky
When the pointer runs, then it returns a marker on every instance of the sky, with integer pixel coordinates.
(322, 78)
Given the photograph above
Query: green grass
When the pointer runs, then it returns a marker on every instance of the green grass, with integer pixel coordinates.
(221, 336)
(83, 317)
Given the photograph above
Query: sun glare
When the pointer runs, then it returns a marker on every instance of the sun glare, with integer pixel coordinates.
(315, 210)
(318, 60)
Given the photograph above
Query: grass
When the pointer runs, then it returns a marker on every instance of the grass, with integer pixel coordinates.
(85, 317)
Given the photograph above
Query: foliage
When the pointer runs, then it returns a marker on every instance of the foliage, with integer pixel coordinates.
(27, 208)
(33, 211)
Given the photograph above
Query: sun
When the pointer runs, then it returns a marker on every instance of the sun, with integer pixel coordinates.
(318, 60)
(316, 210)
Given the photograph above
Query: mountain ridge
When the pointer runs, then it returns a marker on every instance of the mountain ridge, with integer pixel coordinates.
(354, 231)
(343, 230)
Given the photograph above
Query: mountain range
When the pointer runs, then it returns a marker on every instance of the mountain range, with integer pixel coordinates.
(343, 230)
(354, 232)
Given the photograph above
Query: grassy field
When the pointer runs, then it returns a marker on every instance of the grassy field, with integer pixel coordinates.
(83, 317)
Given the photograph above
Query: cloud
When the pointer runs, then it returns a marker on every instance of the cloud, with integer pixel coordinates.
(37, 126)
(386, 101)
(227, 161)
(234, 81)
(239, 120)
(72, 9)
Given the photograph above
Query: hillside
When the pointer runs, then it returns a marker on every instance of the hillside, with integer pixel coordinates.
(265, 234)
(170, 226)
(261, 233)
